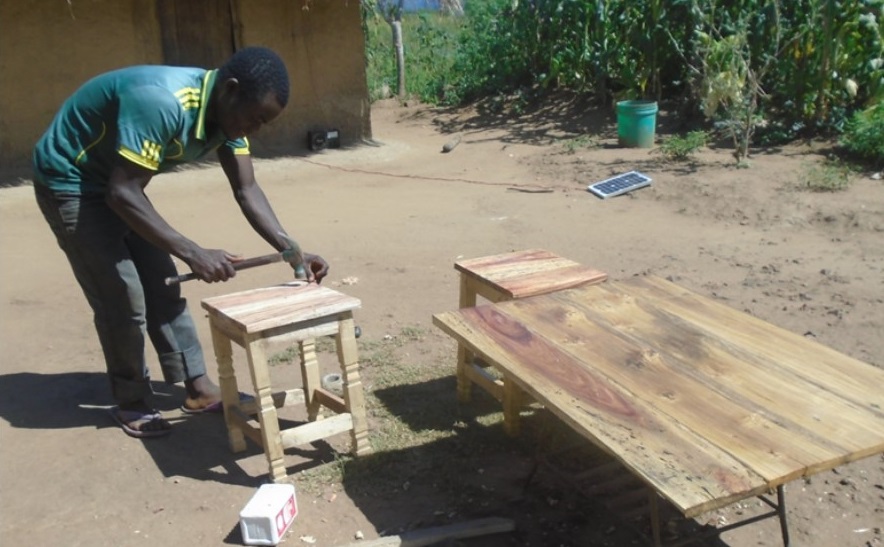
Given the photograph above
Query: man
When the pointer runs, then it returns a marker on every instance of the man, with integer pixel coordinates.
(90, 171)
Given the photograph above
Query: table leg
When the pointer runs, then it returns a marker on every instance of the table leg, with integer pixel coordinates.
(266, 409)
(781, 511)
(229, 387)
(654, 508)
(310, 377)
(353, 395)
(464, 356)
(512, 405)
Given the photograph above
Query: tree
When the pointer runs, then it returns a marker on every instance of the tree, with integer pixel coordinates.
(392, 10)
(726, 77)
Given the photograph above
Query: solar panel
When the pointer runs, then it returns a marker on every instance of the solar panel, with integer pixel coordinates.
(620, 184)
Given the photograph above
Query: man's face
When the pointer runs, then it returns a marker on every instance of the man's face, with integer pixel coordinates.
(239, 118)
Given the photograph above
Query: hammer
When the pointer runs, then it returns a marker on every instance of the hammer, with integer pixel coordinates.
(293, 251)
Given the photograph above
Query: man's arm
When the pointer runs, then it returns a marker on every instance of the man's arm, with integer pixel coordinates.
(126, 197)
(257, 209)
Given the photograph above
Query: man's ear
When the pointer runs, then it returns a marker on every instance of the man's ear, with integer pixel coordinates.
(231, 87)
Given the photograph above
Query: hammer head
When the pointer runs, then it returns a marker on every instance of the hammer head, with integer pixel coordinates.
(293, 252)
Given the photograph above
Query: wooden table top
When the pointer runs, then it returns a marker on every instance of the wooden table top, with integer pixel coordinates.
(706, 404)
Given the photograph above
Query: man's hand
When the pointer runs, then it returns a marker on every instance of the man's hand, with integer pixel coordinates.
(316, 267)
(211, 265)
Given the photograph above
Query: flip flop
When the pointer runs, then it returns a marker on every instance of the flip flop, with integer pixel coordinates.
(126, 417)
(216, 407)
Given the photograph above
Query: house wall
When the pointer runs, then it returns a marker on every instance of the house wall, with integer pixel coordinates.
(324, 48)
(48, 48)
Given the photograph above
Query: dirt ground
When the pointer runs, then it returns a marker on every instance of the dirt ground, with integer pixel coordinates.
(391, 219)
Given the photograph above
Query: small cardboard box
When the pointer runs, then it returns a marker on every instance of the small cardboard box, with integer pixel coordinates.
(268, 515)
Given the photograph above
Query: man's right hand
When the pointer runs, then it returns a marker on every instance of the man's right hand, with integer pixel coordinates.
(211, 265)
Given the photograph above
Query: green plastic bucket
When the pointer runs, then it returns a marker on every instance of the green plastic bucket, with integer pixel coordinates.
(636, 123)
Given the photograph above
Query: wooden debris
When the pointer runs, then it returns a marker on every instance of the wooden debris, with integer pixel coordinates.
(429, 536)
(449, 146)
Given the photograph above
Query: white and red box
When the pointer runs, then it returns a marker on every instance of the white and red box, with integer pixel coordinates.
(268, 515)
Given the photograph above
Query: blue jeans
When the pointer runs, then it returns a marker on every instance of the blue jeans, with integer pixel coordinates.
(123, 278)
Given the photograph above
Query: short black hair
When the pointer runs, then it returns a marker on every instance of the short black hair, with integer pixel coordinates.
(259, 71)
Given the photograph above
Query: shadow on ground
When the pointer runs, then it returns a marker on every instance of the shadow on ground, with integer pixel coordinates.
(473, 470)
(197, 448)
(550, 118)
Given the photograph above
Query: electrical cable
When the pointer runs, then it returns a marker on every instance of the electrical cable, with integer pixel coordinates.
(532, 188)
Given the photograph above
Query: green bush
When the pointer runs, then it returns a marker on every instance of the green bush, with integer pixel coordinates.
(864, 134)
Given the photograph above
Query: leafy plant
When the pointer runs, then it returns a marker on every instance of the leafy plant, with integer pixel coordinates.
(681, 147)
(831, 63)
(864, 135)
(727, 77)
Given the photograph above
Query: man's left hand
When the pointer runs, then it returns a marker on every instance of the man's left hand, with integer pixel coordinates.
(316, 267)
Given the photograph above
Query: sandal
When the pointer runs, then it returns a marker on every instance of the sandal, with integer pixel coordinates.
(132, 422)
(214, 408)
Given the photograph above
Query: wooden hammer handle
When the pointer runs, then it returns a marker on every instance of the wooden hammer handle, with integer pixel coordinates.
(241, 265)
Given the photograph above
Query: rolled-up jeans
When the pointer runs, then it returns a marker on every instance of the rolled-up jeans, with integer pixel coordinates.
(123, 278)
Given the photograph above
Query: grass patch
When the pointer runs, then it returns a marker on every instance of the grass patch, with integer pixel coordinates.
(424, 443)
(831, 176)
(291, 354)
(577, 143)
(418, 432)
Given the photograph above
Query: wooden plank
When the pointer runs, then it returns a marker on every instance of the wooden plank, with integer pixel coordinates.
(270, 307)
(490, 265)
(289, 397)
(486, 381)
(313, 431)
(561, 278)
(244, 423)
(843, 375)
(694, 475)
(330, 400)
(302, 331)
(431, 536)
(757, 383)
(765, 446)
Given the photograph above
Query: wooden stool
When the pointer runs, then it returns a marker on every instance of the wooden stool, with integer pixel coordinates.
(294, 312)
(506, 277)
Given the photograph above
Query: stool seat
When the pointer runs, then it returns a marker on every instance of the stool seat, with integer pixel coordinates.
(264, 309)
(523, 273)
(509, 276)
(295, 312)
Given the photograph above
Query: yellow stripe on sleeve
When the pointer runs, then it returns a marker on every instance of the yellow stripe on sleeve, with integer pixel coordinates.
(147, 162)
(245, 150)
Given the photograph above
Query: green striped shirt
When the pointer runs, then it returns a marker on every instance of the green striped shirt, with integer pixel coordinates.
(154, 116)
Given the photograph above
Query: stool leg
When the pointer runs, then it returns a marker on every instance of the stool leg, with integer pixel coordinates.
(310, 377)
(464, 356)
(353, 396)
(229, 388)
(266, 409)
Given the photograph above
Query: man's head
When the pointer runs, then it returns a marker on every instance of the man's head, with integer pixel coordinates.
(251, 89)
